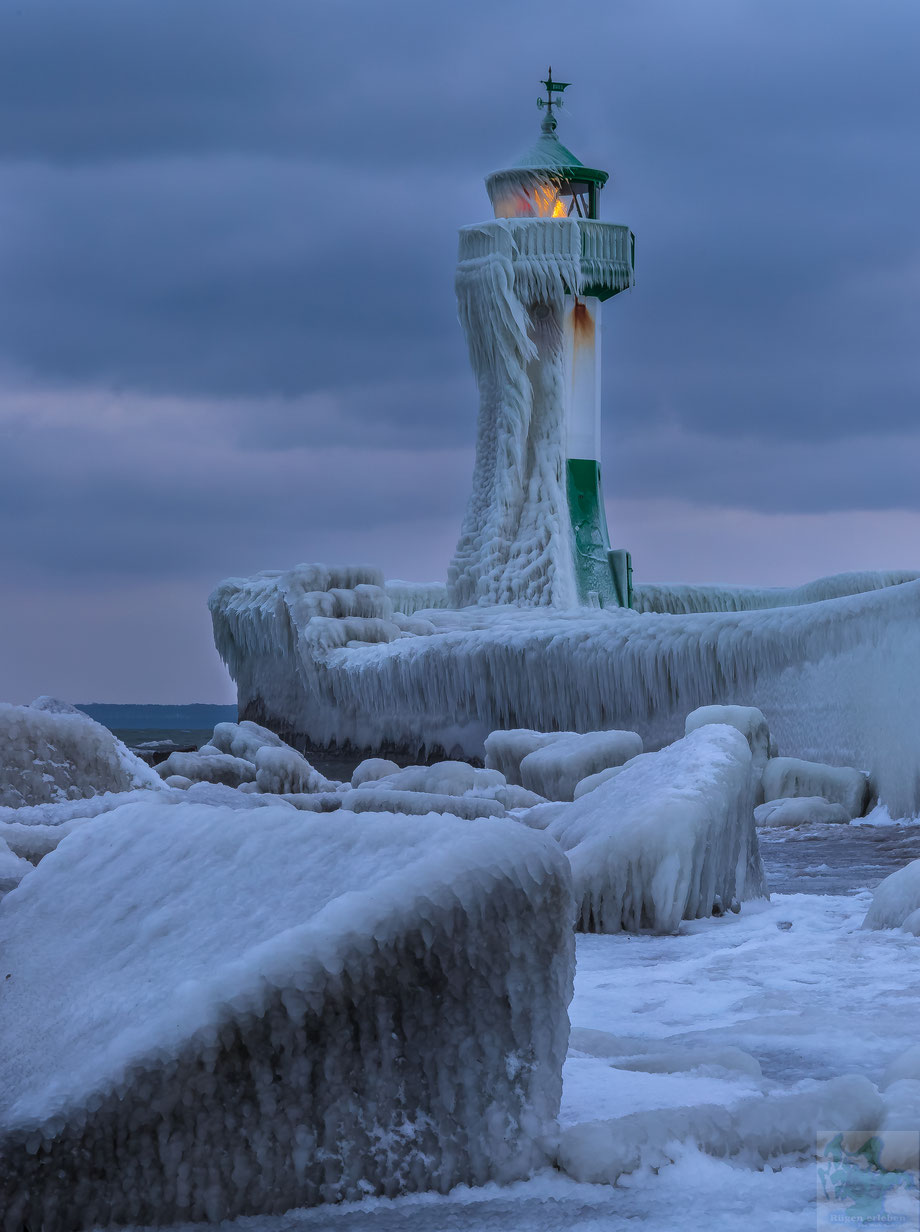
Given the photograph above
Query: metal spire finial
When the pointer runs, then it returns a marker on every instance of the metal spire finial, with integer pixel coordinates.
(552, 87)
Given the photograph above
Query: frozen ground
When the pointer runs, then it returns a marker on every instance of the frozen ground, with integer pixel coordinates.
(794, 983)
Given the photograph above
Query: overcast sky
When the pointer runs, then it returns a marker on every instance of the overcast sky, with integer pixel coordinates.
(228, 336)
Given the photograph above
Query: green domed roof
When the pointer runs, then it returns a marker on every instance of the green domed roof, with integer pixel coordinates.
(547, 158)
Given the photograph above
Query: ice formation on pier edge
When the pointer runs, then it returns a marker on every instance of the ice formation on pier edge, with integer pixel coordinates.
(322, 656)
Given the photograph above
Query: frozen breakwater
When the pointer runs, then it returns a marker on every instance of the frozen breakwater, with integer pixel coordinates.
(337, 658)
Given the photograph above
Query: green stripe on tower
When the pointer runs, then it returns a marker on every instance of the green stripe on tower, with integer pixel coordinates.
(589, 532)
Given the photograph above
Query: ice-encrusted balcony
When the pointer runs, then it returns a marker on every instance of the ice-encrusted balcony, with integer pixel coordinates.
(596, 258)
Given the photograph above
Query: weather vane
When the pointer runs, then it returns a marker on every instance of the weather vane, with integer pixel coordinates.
(552, 87)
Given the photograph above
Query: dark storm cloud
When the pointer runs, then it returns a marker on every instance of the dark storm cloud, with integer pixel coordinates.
(228, 337)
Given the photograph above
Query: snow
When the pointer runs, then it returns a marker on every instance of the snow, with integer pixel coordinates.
(449, 778)
(836, 677)
(752, 725)
(594, 780)
(285, 770)
(374, 799)
(754, 1131)
(239, 754)
(801, 811)
(896, 902)
(207, 767)
(372, 768)
(505, 750)
(905, 1068)
(789, 777)
(12, 869)
(555, 770)
(679, 599)
(258, 1013)
(243, 740)
(52, 752)
(454, 779)
(668, 839)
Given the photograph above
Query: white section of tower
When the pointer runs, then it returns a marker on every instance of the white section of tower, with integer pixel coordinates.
(583, 361)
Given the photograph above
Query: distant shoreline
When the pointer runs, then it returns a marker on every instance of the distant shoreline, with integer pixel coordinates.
(131, 716)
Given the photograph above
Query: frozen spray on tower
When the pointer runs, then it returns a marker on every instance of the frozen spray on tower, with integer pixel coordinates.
(530, 284)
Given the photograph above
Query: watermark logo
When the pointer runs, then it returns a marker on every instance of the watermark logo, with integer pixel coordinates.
(869, 1179)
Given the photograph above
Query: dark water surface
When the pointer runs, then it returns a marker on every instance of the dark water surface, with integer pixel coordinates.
(836, 859)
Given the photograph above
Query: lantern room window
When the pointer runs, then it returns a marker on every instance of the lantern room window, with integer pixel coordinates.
(550, 199)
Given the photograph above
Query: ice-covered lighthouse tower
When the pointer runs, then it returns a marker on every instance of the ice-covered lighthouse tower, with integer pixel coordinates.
(530, 285)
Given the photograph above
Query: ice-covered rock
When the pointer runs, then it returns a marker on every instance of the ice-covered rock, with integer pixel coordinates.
(554, 770)
(457, 779)
(787, 777)
(748, 720)
(12, 869)
(283, 769)
(896, 901)
(49, 753)
(208, 1015)
(178, 780)
(505, 750)
(751, 1133)
(446, 778)
(207, 767)
(373, 768)
(373, 799)
(668, 839)
(801, 811)
(244, 739)
(594, 780)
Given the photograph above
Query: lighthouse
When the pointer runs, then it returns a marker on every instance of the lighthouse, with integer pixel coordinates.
(530, 284)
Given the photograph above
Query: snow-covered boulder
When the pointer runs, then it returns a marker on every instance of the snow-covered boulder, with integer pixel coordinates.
(371, 799)
(749, 721)
(668, 839)
(244, 739)
(896, 901)
(285, 770)
(554, 770)
(373, 768)
(244, 754)
(209, 1015)
(505, 750)
(207, 767)
(51, 752)
(446, 778)
(594, 780)
(785, 777)
(801, 811)
(456, 779)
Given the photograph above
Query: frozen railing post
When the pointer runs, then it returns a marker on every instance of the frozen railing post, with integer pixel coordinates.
(530, 286)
